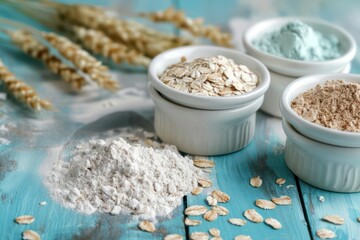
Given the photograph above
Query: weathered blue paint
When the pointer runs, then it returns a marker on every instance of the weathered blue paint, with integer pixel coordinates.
(38, 137)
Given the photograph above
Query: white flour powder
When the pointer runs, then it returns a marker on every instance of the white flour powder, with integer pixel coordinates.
(116, 177)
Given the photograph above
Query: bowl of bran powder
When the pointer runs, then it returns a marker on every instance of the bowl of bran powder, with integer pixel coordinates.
(325, 108)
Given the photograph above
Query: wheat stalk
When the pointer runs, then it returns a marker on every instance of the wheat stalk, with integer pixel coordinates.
(30, 45)
(100, 43)
(21, 91)
(82, 60)
(194, 26)
(147, 41)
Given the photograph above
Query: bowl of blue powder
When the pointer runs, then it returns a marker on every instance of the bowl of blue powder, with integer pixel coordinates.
(300, 46)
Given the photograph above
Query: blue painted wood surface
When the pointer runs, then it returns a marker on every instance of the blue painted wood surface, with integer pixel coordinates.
(38, 139)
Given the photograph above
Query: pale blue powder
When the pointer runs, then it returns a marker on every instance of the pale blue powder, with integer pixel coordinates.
(297, 40)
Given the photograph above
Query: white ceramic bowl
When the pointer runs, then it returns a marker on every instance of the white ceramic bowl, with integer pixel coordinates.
(298, 68)
(325, 166)
(204, 132)
(307, 128)
(163, 60)
(277, 85)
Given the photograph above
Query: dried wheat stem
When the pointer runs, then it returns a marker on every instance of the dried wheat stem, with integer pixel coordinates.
(99, 43)
(82, 60)
(21, 91)
(147, 41)
(194, 26)
(30, 45)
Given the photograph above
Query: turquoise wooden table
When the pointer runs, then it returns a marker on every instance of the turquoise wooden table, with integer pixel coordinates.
(37, 140)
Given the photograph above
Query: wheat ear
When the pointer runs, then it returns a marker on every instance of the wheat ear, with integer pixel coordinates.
(194, 26)
(146, 41)
(21, 91)
(30, 45)
(82, 60)
(99, 43)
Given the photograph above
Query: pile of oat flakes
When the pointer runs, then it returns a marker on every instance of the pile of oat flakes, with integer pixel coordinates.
(214, 76)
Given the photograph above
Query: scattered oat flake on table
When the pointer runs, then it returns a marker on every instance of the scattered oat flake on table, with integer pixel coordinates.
(321, 198)
(203, 162)
(290, 186)
(283, 200)
(242, 237)
(197, 190)
(195, 210)
(147, 226)
(265, 204)
(205, 183)
(221, 210)
(280, 181)
(199, 236)
(272, 222)
(192, 222)
(43, 203)
(30, 235)
(173, 237)
(214, 232)
(220, 196)
(210, 215)
(211, 201)
(256, 181)
(237, 221)
(25, 219)
(253, 216)
(324, 233)
(335, 219)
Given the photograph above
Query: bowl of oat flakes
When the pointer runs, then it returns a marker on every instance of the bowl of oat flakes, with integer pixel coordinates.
(201, 131)
(208, 77)
(325, 108)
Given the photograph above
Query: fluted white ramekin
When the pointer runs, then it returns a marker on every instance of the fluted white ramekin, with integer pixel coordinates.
(204, 132)
(322, 165)
(298, 68)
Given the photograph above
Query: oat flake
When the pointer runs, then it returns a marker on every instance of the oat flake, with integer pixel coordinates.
(30, 235)
(243, 237)
(324, 233)
(199, 236)
(173, 237)
(256, 181)
(335, 219)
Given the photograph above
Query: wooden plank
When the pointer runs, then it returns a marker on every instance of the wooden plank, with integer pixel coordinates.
(344, 205)
(22, 189)
(262, 157)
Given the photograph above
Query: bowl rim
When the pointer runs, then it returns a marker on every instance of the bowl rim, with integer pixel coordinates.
(318, 132)
(154, 93)
(211, 100)
(347, 56)
(297, 137)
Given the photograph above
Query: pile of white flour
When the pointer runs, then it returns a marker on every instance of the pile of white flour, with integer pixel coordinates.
(116, 177)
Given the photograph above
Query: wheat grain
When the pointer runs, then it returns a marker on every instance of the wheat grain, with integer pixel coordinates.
(30, 45)
(100, 43)
(21, 91)
(194, 26)
(82, 60)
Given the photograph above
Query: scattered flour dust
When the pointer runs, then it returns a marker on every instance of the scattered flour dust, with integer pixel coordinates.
(113, 176)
